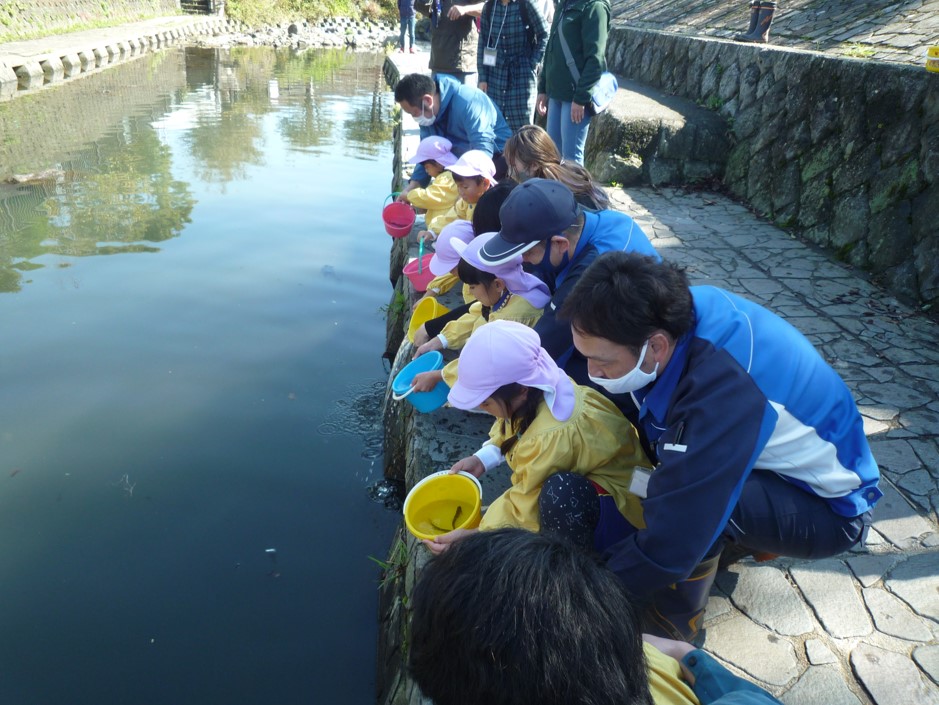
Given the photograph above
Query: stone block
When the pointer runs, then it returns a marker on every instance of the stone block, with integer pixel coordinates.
(30, 75)
(928, 659)
(870, 569)
(820, 684)
(102, 57)
(114, 52)
(87, 59)
(893, 617)
(71, 65)
(9, 82)
(765, 595)
(754, 650)
(881, 671)
(830, 591)
(818, 653)
(897, 520)
(914, 581)
(52, 69)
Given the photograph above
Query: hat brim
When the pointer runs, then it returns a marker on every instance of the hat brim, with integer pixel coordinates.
(442, 265)
(467, 171)
(462, 397)
(500, 251)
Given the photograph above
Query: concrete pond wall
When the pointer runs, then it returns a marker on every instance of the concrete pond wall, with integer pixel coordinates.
(21, 19)
(843, 152)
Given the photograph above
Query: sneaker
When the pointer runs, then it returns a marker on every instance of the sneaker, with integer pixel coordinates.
(413, 50)
(400, 50)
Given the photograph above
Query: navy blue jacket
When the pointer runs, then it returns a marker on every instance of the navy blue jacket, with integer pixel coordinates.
(743, 391)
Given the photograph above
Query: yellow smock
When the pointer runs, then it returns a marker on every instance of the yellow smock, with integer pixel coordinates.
(596, 441)
(445, 282)
(461, 210)
(437, 199)
(516, 309)
(665, 679)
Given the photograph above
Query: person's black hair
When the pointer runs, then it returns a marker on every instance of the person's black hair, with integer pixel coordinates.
(486, 214)
(512, 617)
(478, 178)
(523, 417)
(432, 161)
(413, 87)
(625, 297)
(472, 276)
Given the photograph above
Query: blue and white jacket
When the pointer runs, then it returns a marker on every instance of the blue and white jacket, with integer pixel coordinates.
(468, 118)
(603, 231)
(743, 391)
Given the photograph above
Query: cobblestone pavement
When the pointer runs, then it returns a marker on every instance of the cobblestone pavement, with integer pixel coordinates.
(862, 627)
(887, 30)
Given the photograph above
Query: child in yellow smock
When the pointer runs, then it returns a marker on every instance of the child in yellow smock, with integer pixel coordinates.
(435, 155)
(546, 426)
(474, 174)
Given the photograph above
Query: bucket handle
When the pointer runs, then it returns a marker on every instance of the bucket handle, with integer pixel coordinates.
(393, 194)
(399, 397)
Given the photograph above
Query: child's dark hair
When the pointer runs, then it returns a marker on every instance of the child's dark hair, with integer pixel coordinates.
(434, 162)
(475, 177)
(523, 416)
(472, 276)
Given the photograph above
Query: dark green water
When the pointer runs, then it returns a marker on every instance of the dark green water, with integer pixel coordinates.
(190, 375)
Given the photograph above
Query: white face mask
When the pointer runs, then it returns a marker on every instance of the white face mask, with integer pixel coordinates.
(425, 120)
(632, 380)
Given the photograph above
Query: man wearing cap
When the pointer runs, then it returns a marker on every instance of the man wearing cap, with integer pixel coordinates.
(463, 114)
(558, 239)
(757, 442)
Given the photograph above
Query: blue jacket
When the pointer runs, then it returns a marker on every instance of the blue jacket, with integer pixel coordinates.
(715, 685)
(744, 390)
(468, 118)
(604, 231)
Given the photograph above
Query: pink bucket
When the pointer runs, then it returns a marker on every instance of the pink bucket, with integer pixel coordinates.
(419, 279)
(398, 218)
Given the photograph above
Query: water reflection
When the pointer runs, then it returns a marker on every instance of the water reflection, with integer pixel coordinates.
(119, 193)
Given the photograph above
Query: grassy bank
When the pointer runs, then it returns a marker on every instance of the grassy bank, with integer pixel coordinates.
(260, 12)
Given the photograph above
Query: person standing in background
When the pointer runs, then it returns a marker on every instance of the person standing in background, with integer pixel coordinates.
(408, 21)
(512, 39)
(454, 39)
(761, 17)
(585, 25)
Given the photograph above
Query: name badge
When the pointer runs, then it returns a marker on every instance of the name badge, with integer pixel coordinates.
(489, 57)
(639, 485)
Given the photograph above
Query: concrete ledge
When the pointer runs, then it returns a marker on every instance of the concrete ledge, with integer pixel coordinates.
(647, 137)
(9, 82)
(52, 69)
(71, 65)
(30, 75)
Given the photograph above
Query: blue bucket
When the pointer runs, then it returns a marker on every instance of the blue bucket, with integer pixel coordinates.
(422, 401)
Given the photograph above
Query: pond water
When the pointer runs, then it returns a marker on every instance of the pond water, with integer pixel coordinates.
(191, 374)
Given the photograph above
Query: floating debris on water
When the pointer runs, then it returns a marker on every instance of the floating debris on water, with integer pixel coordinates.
(389, 493)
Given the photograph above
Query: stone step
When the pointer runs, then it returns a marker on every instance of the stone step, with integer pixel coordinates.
(647, 137)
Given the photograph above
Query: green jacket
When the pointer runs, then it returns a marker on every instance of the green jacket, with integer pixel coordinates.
(586, 25)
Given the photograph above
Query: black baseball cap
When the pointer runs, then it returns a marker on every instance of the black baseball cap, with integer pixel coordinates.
(533, 212)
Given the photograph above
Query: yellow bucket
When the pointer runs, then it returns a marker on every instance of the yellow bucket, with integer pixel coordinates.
(932, 59)
(425, 310)
(442, 502)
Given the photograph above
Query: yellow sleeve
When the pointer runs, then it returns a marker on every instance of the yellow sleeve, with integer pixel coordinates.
(450, 372)
(442, 284)
(458, 332)
(440, 195)
(666, 683)
(441, 221)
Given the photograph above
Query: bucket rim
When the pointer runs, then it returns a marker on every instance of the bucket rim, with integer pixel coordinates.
(434, 475)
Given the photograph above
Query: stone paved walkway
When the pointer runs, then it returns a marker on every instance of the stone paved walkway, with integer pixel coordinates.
(887, 30)
(863, 627)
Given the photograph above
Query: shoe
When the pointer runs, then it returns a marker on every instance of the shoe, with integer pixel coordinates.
(400, 50)
(413, 50)
(754, 16)
(760, 33)
(677, 611)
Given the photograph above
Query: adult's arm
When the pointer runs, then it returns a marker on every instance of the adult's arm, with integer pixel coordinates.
(718, 423)
(594, 28)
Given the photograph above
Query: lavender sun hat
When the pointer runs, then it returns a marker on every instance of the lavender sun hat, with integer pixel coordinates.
(506, 352)
(436, 148)
(445, 256)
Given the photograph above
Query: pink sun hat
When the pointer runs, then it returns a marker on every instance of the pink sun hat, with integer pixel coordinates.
(506, 352)
(475, 162)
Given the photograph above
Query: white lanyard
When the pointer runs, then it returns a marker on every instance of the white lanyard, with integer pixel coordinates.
(489, 43)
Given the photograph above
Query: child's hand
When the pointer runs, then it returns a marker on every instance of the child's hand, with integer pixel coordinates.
(473, 465)
(427, 236)
(426, 381)
(421, 336)
(403, 196)
(441, 543)
(430, 345)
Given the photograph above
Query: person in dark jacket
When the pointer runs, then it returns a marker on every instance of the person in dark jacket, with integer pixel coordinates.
(513, 35)
(454, 38)
(757, 443)
(585, 25)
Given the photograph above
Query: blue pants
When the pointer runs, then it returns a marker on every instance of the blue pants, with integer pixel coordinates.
(569, 138)
(771, 516)
(407, 27)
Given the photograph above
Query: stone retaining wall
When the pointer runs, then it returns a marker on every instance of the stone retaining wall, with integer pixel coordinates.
(844, 152)
(22, 19)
